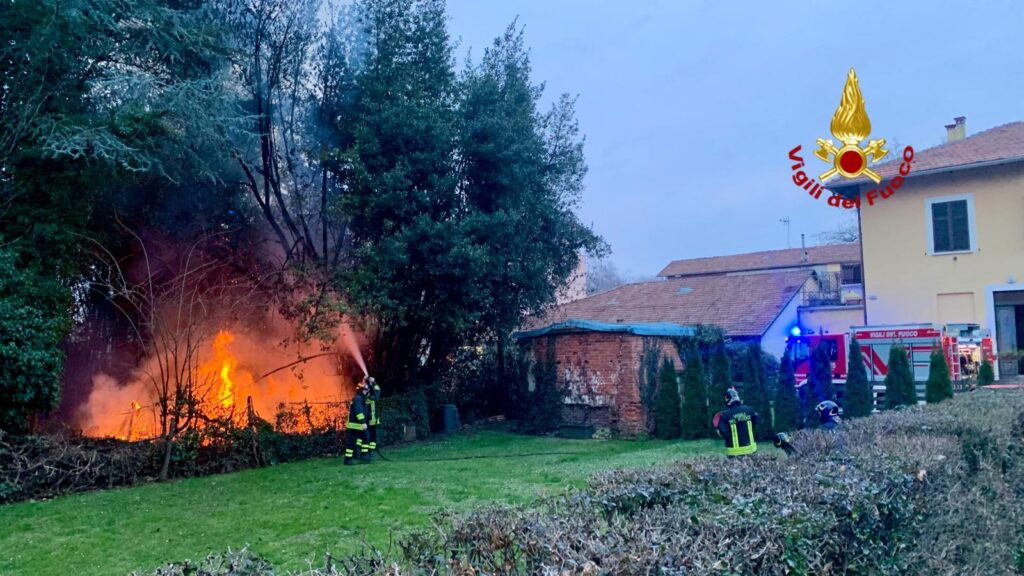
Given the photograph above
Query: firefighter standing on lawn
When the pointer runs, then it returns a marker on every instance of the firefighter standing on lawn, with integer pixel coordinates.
(736, 424)
(373, 412)
(356, 429)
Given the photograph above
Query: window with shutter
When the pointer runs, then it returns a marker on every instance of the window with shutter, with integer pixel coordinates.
(950, 226)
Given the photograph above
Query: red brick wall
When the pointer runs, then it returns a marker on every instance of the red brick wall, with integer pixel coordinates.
(600, 373)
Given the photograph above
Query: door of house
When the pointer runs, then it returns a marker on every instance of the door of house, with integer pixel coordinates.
(1009, 307)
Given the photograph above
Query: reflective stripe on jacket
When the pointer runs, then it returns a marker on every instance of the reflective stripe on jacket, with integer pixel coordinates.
(371, 404)
(356, 413)
(736, 425)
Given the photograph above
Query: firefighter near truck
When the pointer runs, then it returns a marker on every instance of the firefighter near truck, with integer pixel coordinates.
(965, 346)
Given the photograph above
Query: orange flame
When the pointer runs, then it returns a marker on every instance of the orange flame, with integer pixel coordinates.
(229, 366)
(226, 395)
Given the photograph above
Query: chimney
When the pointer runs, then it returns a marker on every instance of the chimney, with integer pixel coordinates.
(957, 130)
(804, 256)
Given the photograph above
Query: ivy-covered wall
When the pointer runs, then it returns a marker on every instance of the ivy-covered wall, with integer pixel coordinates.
(606, 378)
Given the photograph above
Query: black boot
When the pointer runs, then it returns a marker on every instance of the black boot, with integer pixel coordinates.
(349, 462)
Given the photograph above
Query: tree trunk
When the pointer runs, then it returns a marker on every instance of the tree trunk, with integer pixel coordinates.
(168, 449)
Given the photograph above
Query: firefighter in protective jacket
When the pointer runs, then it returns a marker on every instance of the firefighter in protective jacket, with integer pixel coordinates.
(372, 411)
(355, 430)
(736, 425)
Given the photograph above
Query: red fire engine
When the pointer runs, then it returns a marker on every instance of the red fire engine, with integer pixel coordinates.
(964, 345)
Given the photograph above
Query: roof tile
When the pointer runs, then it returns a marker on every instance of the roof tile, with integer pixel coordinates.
(741, 304)
(1004, 142)
(789, 258)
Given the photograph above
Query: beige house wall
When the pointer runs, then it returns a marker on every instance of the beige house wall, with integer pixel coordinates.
(904, 283)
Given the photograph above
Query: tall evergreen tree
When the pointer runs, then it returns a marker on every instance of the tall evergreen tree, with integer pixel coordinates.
(986, 375)
(939, 387)
(788, 414)
(666, 402)
(721, 373)
(755, 390)
(105, 117)
(858, 397)
(899, 382)
(459, 190)
(695, 417)
(820, 376)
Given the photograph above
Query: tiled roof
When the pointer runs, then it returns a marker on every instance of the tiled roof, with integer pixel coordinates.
(1002, 143)
(741, 304)
(790, 258)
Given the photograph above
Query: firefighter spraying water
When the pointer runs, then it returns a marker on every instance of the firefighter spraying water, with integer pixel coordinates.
(357, 444)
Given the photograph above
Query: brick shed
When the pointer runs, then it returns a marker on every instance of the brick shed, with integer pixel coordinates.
(600, 366)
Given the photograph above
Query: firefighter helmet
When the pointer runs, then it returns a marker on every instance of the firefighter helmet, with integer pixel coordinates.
(781, 439)
(827, 411)
(732, 397)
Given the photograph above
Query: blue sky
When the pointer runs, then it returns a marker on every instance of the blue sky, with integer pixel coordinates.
(690, 108)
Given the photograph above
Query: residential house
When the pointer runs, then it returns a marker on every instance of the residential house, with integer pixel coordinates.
(948, 246)
(599, 343)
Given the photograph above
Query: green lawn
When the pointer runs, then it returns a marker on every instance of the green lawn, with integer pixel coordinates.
(294, 512)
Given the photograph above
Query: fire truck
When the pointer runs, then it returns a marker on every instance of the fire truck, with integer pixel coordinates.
(964, 345)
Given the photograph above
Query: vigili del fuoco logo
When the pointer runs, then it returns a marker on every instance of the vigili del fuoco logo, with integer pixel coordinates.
(851, 126)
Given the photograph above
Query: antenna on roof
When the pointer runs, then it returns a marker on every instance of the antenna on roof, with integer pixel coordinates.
(785, 222)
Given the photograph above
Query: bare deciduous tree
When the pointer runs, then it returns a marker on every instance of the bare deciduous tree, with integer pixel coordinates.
(846, 232)
(175, 307)
(603, 275)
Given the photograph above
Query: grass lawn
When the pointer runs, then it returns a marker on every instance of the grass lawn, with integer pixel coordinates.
(294, 512)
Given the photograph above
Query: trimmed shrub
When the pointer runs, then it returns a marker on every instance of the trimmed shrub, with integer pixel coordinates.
(755, 391)
(695, 417)
(858, 399)
(881, 496)
(399, 412)
(880, 500)
(237, 563)
(666, 403)
(788, 416)
(986, 375)
(899, 382)
(938, 387)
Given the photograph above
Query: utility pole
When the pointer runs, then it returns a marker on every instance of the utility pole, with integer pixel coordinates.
(785, 221)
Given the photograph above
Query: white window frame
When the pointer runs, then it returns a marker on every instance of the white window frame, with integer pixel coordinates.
(971, 228)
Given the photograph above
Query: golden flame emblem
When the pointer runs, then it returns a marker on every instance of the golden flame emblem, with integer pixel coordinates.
(850, 125)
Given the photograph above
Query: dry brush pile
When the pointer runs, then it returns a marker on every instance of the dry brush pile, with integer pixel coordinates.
(934, 490)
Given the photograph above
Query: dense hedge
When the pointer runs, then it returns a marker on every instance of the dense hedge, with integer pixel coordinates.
(33, 467)
(936, 490)
(397, 413)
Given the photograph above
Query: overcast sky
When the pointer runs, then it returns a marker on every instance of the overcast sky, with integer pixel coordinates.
(690, 108)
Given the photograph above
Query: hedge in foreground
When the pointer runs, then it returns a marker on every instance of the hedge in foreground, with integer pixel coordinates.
(933, 490)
